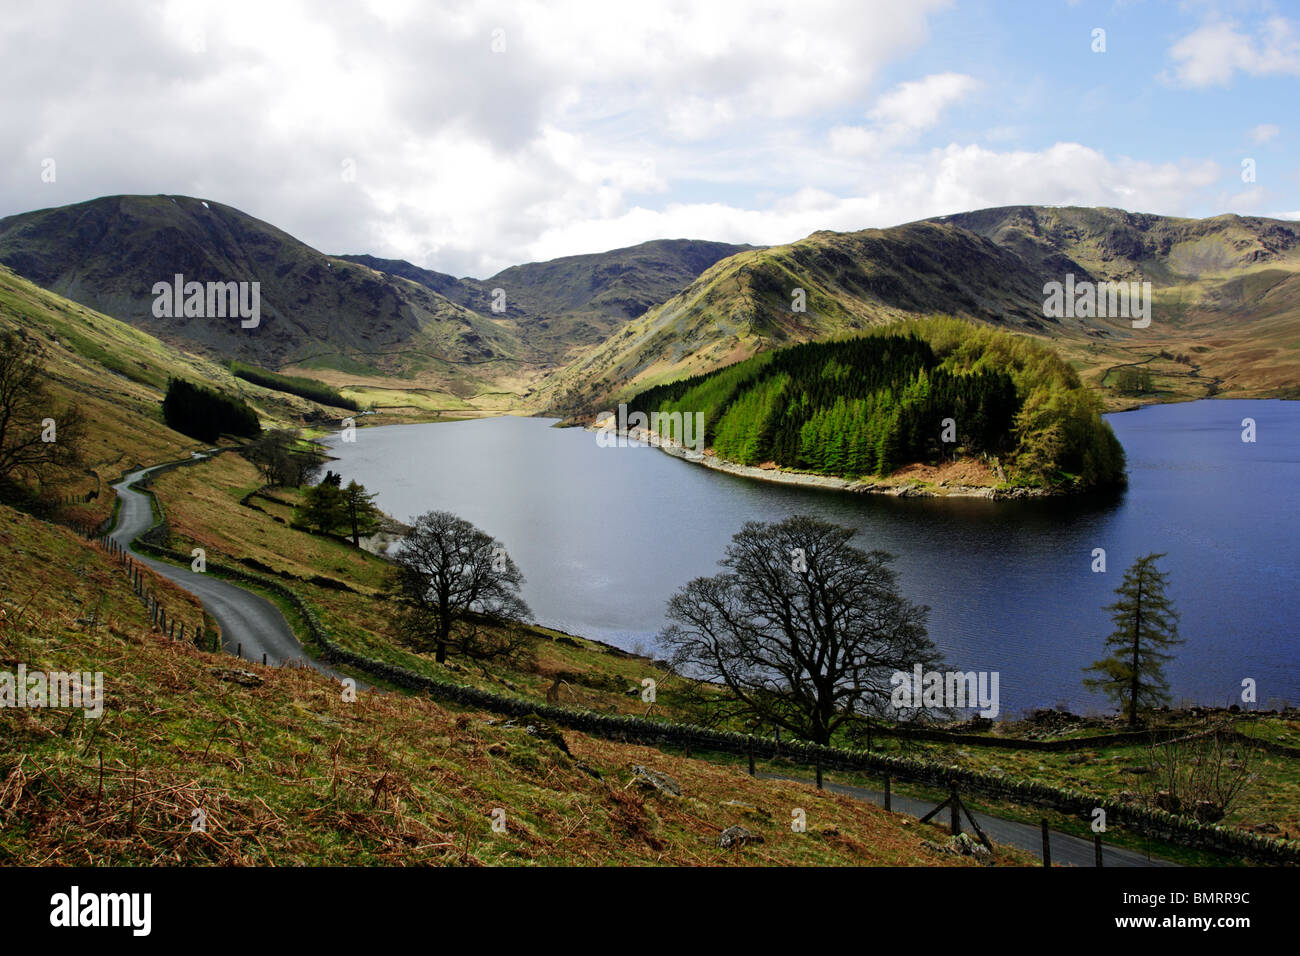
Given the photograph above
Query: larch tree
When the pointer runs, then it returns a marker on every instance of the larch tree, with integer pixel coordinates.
(1146, 625)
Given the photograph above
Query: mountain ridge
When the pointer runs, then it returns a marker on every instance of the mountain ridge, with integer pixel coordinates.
(1225, 289)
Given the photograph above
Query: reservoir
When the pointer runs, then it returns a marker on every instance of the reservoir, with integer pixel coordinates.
(605, 536)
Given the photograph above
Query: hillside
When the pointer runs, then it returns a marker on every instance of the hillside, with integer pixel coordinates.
(316, 311)
(931, 392)
(354, 320)
(574, 301)
(1226, 293)
(117, 375)
(281, 770)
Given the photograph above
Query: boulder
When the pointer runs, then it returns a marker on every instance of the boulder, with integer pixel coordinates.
(737, 837)
(649, 779)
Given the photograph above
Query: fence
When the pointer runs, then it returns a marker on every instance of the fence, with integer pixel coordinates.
(135, 572)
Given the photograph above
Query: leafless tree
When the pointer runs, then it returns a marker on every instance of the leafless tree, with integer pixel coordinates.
(455, 587)
(36, 437)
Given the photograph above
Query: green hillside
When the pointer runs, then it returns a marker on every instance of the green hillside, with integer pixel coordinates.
(1225, 311)
(574, 301)
(316, 311)
(117, 376)
(921, 392)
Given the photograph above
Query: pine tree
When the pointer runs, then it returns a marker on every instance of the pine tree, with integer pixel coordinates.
(322, 508)
(362, 517)
(1145, 625)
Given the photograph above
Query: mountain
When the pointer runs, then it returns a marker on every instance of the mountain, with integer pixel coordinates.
(579, 331)
(1225, 290)
(1118, 245)
(117, 375)
(573, 301)
(316, 311)
(377, 322)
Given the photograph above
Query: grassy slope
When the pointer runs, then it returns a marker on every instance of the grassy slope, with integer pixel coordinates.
(118, 371)
(288, 773)
(1227, 295)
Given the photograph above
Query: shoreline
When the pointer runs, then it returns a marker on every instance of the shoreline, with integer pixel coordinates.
(862, 486)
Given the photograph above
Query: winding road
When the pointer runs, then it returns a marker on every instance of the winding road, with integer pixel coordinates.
(249, 622)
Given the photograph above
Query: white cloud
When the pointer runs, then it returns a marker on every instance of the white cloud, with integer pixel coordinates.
(1213, 53)
(944, 181)
(902, 113)
(1264, 132)
(592, 129)
(463, 156)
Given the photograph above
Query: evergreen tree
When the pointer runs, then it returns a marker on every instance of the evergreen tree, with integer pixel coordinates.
(323, 508)
(362, 515)
(207, 415)
(1145, 625)
(876, 403)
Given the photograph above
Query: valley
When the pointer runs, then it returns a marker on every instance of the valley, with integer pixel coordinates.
(603, 535)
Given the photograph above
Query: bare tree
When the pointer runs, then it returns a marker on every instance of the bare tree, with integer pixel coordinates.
(804, 630)
(455, 586)
(35, 436)
(284, 458)
(1201, 775)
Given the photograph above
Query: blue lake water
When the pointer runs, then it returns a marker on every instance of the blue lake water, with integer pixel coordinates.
(606, 535)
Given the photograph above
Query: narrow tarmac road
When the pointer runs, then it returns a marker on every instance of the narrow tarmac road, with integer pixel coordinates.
(249, 622)
(1067, 850)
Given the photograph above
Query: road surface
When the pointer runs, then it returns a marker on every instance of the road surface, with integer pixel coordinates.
(249, 622)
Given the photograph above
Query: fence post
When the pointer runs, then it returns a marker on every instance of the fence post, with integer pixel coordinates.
(954, 808)
(1047, 845)
(1096, 840)
(889, 803)
(819, 771)
(749, 745)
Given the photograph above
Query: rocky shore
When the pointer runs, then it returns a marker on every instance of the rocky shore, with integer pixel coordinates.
(895, 487)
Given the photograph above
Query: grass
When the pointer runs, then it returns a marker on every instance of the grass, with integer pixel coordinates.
(288, 772)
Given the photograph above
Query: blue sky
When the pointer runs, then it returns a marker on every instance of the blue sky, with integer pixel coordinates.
(469, 135)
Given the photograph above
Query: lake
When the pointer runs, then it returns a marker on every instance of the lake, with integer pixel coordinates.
(605, 536)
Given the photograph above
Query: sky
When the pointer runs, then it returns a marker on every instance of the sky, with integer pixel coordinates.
(469, 136)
